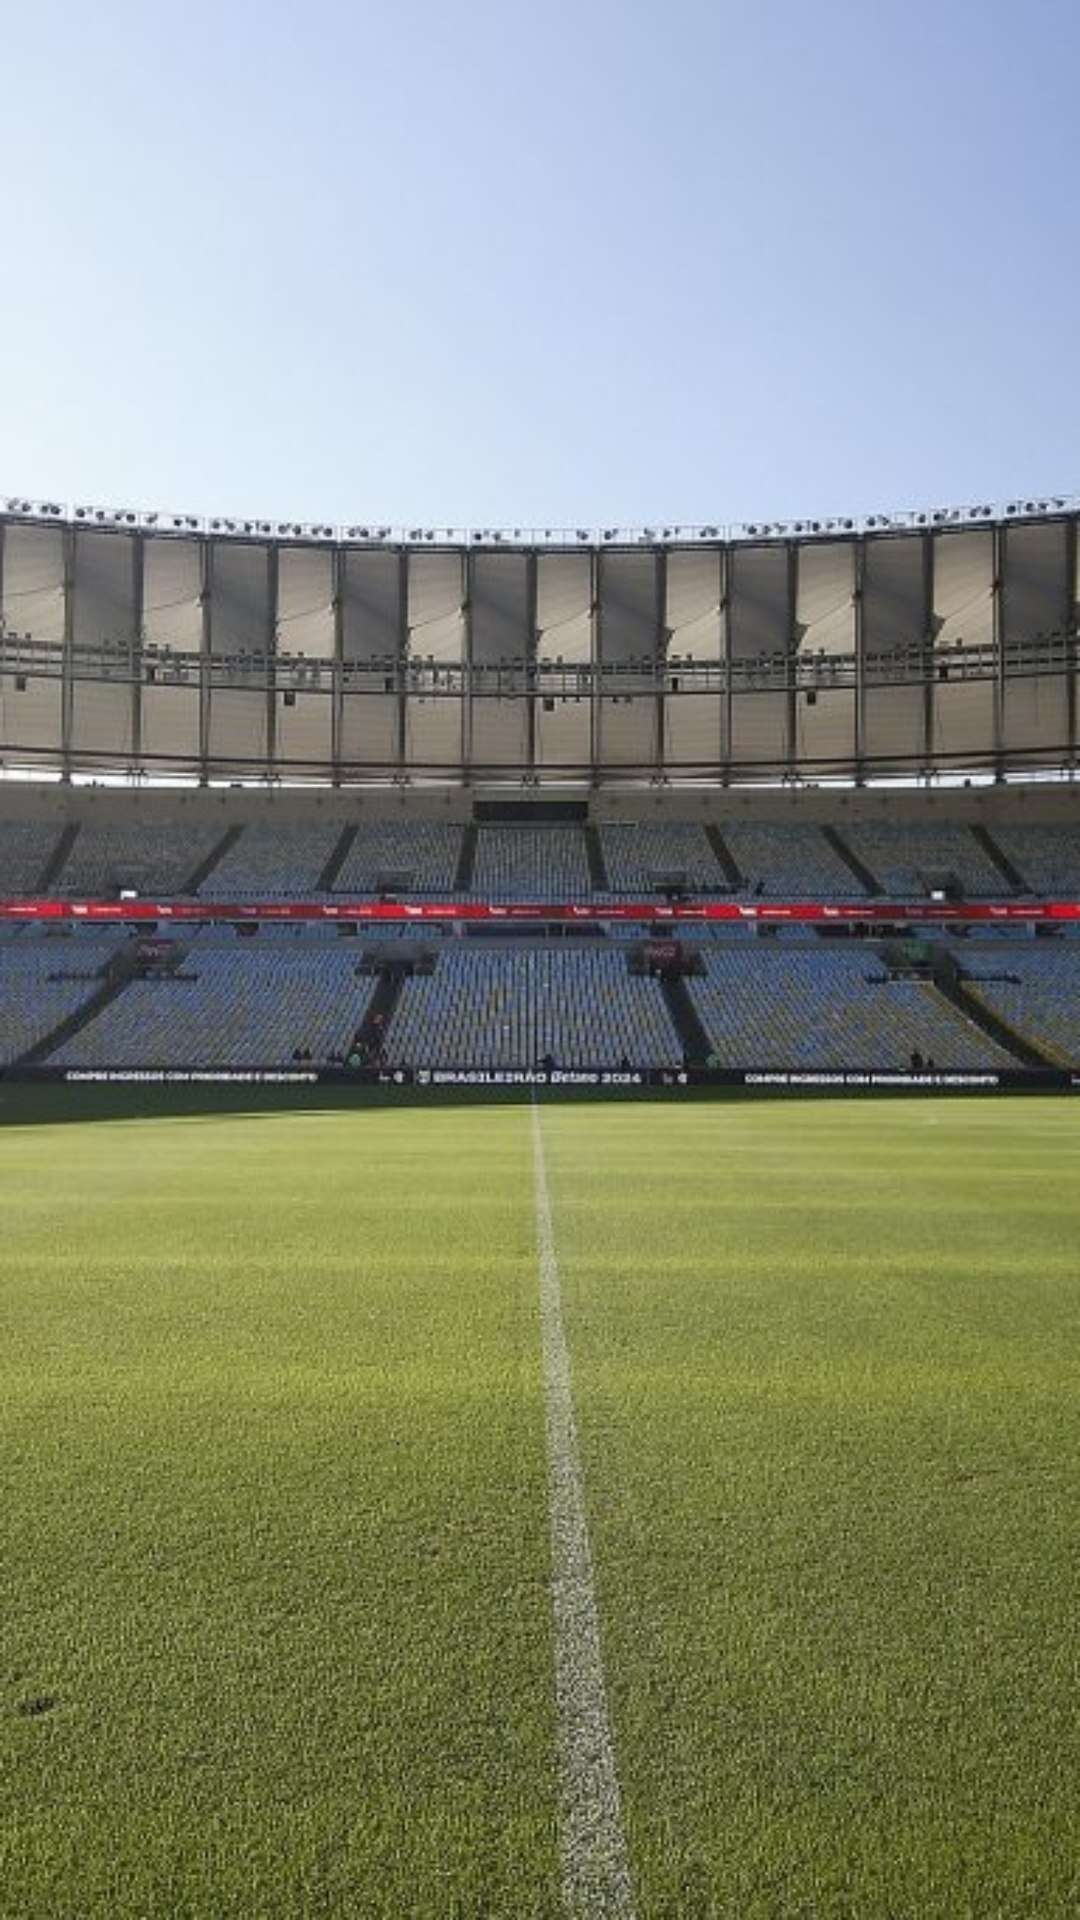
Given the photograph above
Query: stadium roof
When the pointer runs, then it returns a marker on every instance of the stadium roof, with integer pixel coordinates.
(941, 639)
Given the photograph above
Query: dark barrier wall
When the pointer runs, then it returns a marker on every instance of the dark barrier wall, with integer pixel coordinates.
(600, 1080)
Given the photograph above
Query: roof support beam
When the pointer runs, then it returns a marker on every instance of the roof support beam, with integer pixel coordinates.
(858, 600)
(1073, 638)
(928, 643)
(595, 647)
(997, 614)
(791, 653)
(337, 671)
(532, 649)
(402, 664)
(206, 581)
(467, 696)
(727, 715)
(660, 647)
(271, 640)
(135, 644)
(67, 670)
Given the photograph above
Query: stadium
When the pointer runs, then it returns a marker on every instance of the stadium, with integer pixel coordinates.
(540, 1380)
(667, 805)
(539, 962)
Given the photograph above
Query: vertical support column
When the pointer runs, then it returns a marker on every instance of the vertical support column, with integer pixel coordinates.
(206, 582)
(337, 667)
(997, 610)
(1071, 638)
(532, 652)
(404, 639)
(596, 711)
(67, 664)
(860, 660)
(791, 649)
(271, 653)
(135, 645)
(660, 650)
(467, 665)
(727, 712)
(3, 630)
(927, 654)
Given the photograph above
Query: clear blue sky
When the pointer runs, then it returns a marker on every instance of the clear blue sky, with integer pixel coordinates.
(506, 264)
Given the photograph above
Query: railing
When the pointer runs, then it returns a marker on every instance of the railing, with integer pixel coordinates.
(673, 675)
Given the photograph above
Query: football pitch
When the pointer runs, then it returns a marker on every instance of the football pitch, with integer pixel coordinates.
(288, 1397)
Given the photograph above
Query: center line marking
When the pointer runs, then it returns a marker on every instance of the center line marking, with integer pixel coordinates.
(595, 1868)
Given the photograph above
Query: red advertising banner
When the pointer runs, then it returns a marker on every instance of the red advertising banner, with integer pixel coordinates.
(638, 912)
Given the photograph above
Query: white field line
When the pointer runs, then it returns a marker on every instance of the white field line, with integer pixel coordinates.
(595, 1868)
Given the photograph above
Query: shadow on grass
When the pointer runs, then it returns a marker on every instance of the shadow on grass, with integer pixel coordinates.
(25, 1104)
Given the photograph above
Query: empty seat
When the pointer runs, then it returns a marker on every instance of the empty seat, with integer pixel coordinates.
(506, 1009)
(790, 1008)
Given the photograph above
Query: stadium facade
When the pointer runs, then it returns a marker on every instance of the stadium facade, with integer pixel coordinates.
(849, 650)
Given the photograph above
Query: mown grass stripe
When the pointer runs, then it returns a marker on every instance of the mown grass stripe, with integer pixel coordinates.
(595, 1867)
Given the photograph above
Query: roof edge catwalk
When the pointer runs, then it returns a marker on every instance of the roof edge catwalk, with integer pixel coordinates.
(376, 532)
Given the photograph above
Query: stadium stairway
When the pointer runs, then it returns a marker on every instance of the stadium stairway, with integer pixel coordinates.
(594, 854)
(725, 860)
(695, 1040)
(854, 865)
(466, 860)
(1010, 873)
(339, 853)
(974, 1008)
(74, 1023)
(217, 852)
(375, 1025)
(57, 860)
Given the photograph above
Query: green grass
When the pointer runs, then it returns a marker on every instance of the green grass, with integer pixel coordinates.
(274, 1524)
(273, 1485)
(827, 1365)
